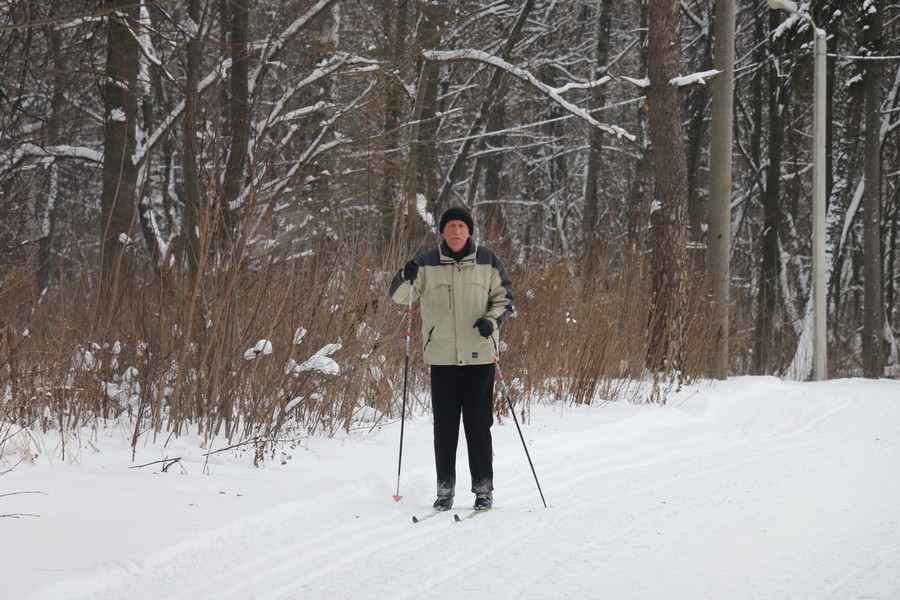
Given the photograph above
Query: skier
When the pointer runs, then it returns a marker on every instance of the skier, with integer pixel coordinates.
(466, 296)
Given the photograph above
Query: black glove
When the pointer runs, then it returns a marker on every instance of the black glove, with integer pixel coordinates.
(410, 271)
(484, 327)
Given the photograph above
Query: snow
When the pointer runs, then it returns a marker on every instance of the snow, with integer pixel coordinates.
(744, 489)
(28, 149)
(423, 212)
(694, 78)
(262, 347)
(317, 363)
(643, 82)
(681, 81)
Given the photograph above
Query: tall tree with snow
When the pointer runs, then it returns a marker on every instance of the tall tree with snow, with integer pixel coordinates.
(665, 350)
(873, 306)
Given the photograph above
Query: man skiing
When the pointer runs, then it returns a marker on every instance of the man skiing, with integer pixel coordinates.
(465, 296)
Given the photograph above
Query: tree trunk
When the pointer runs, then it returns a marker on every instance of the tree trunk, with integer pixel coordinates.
(770, 265)
(193, 202)
(496, 181)
(720, 148)
(640, 192)
(872, 333)
(696, 107)
(389, 209)
(422, 173)
(239, 117)
(668, 213)
(891, 262)
(591, 218)
(48, 204)
(119, 133)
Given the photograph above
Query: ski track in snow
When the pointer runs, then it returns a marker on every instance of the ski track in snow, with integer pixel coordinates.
(746, 489)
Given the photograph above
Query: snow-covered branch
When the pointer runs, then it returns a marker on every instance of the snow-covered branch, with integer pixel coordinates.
(30, 150)
(324, 69)
(176, 112)
(694, 78)
(554, 93)
(275, 44)
(681, 81)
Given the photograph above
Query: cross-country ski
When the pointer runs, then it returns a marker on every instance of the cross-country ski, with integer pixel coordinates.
(426, 516)
(460, 517)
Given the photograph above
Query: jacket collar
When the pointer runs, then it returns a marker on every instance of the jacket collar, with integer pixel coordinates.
(465, 254)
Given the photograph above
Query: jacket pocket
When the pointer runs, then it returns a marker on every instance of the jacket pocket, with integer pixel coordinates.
(427, 340)
(477, 297)
(437, 300)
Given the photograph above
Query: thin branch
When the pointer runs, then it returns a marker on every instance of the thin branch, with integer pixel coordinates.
(12, 467)
(88, 15)
(166, 463)
(21, 493)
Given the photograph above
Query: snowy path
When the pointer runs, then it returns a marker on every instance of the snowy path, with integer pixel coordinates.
(748, 489)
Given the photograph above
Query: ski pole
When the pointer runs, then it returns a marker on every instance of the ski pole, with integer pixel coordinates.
(515, 420)
(397, 496)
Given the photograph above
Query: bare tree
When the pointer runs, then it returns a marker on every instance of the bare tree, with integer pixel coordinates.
(491, 104)
(872, 330)
(395, 30)
(120, 131)
(422, 168)
(668, 212)
(237, 23)
(770, 264)
(189, 239)
(591, 216)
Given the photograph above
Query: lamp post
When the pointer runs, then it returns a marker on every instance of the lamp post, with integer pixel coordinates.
(820, 341)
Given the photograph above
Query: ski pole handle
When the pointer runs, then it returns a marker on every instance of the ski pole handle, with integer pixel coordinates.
(409, 318)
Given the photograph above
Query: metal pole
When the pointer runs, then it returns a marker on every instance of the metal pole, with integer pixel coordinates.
(720, 158)
(819, 291)
(397, 496)
(820, 335)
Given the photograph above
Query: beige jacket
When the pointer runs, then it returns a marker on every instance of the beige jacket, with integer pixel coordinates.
(453, 295)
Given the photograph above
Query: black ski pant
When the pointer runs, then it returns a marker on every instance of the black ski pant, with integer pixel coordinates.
(466, 391)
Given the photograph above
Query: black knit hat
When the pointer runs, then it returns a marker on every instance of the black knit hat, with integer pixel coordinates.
(458, 213)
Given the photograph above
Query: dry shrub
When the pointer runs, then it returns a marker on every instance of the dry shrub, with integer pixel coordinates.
(574, 340)
(166, 355)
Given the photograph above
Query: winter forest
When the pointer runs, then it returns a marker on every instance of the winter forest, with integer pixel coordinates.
(203, 201)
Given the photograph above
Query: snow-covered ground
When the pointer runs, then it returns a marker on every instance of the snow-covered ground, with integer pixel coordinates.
(752, 488)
